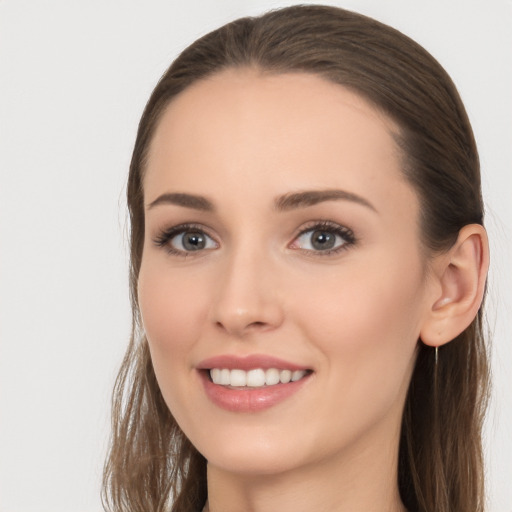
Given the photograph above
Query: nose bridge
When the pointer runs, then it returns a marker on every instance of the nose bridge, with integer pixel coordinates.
(247, 297)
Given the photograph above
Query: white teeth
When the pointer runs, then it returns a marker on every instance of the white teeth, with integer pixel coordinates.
(238, 378)
(285, 376)
(215, 375)
(225, 377)
(271, 377)
(297, 375)
(254, 378)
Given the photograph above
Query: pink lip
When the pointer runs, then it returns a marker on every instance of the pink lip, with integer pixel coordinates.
(248, 399)
(246, 363)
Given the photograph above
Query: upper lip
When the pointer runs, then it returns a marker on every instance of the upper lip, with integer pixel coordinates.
(232, 362)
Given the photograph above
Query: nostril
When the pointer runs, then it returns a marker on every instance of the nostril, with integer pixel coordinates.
(257, 324)
(251, 325)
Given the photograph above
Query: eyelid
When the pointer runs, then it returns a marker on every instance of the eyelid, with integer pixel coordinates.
(164, 236)
(330, 227)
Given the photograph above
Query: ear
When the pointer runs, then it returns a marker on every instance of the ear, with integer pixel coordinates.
(460, 276)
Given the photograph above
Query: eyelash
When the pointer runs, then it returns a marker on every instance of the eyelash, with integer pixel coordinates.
(346, 234)
(163, 239)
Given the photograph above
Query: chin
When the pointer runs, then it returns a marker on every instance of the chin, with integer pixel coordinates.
(255, 454)
(253, 464)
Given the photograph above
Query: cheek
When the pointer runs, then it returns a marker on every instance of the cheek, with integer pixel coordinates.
(366, 324)
(366, 312)
(171, 309)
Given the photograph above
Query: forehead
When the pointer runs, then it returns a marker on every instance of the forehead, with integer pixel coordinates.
(269, 101)
(272, 132)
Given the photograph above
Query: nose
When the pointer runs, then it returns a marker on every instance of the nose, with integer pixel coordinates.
(247, 299)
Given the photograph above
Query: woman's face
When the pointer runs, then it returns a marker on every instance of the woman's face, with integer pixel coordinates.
(281, 237)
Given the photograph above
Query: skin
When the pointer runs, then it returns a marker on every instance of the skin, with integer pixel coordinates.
(242, 139)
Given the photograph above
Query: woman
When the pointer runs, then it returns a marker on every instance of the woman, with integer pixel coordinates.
(308, 264)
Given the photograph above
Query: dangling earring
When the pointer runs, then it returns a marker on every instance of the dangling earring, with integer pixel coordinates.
(436, 357)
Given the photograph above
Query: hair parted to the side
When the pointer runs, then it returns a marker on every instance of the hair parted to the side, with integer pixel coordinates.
(151, 465)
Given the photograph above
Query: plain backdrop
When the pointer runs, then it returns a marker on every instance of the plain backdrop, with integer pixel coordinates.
(74, 78)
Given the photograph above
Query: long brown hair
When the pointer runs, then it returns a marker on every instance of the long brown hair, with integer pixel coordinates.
(151, 465)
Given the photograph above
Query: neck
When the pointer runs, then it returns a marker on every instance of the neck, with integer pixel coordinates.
(344, 483)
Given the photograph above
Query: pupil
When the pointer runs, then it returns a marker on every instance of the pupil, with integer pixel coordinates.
(323, 240)
(193, 241)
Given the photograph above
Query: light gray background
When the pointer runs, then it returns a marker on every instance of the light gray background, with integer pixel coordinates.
(74, 77)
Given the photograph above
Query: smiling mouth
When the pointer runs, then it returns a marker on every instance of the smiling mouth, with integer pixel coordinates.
(255, 378)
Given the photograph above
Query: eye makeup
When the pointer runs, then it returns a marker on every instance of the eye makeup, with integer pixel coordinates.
(323, 238)
(320, 238)
(185, 239)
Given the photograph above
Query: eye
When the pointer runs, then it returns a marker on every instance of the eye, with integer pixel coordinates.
(181, 240)
(192, 241)
(324, 238)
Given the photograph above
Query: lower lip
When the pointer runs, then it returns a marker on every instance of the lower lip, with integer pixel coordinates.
(249, 399)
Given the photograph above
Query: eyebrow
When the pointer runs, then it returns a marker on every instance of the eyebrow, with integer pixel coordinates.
(283, 203)
(312, 197)
(187, 200)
